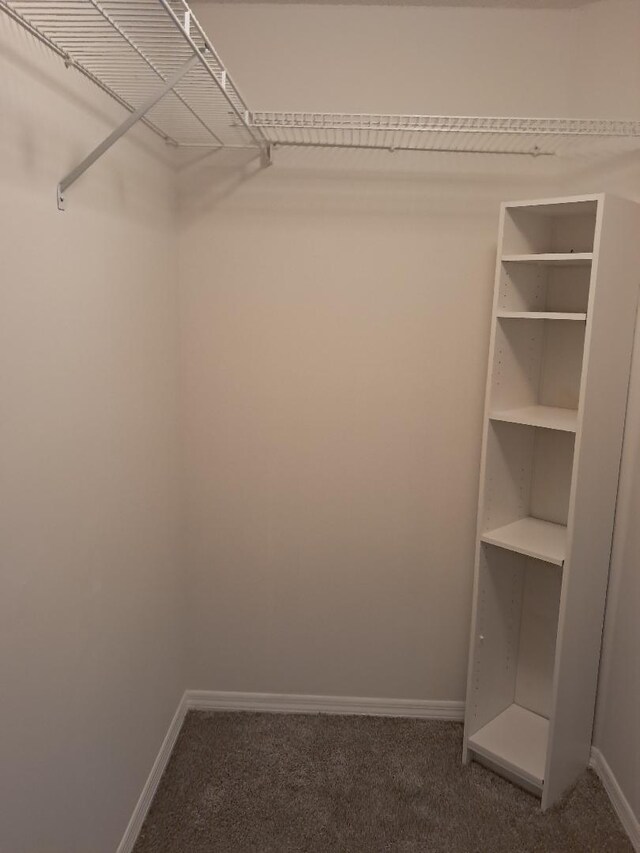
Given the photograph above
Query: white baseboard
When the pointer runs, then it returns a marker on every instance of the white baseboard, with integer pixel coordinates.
(151, 785)
(212, 700)
(620, 803)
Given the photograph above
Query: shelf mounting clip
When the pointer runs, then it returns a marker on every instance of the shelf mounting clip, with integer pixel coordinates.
(126, 125)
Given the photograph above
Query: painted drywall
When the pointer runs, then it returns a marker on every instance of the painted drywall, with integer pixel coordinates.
(335, 318)
(91, 605)
(334, 335)
(617, 724)
(435, 61)
(611, 78)
(322, 303)
(617, 732)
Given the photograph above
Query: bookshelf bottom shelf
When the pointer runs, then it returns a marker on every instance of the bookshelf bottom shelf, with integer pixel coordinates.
(515, 740)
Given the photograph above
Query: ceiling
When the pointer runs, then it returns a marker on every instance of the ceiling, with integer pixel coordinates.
(503, 4)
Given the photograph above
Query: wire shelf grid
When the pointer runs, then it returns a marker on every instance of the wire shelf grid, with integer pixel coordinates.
(130, 47)
(534, 136)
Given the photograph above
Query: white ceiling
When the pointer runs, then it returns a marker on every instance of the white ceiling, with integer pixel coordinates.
(514, 4)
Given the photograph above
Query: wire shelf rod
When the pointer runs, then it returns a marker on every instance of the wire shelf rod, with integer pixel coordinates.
(391, 148)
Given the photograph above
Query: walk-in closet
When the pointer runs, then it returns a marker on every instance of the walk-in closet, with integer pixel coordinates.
(319, 426)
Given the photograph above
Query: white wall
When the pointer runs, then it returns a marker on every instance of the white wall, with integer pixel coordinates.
(313, 299)
(334, 336)
(335, 317)
(617, 724)
(617, 732)
(611, 87)
(91, 653)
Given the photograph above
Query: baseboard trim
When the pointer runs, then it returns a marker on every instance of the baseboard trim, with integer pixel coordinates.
(151, 785)
(212, 700)
(620, 803)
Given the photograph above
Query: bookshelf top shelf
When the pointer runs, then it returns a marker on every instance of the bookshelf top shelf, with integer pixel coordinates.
(532, 537)
(541, 315)
(572, 259)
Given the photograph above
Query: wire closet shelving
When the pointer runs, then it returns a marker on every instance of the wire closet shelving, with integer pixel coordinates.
(156, 61)
(466, 134)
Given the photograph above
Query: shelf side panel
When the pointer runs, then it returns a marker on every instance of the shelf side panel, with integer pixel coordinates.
(473, 721)
(517, 364)
(562, 364)
(500, 588)
(609, 338)
(507, 486)
(551, 478)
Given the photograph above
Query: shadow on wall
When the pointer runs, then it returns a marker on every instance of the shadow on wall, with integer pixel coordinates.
(359, 182)
(206, 180)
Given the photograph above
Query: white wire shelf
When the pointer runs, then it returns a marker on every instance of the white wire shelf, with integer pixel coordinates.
(154, 58)
(129, 48)
(471, 134)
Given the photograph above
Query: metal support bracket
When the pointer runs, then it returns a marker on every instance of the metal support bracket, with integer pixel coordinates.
(126, 125)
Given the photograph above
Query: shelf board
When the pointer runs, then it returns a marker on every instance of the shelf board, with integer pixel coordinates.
(548, 417)
(532, 537)
(568, 259)
(517, 741)
(540, 315)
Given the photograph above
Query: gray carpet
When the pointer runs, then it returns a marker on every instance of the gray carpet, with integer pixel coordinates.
(270, 783)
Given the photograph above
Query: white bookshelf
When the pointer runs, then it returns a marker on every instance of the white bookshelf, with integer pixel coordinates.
(563, 319)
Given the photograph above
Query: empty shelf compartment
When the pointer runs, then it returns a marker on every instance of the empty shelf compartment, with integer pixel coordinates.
(533, 537)
(544, 289)
(528, 483)
(517, 741)
(559, 229)
(537, 370)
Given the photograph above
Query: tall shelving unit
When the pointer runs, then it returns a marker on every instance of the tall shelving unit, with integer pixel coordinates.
(564, 312)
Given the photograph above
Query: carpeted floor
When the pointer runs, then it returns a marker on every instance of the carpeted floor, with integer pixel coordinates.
(276, 783)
